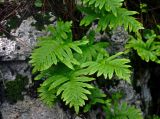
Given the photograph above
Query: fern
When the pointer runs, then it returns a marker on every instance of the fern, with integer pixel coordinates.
(108, 5)
(107, 66)
(47, 96)
(97, 97)
(148, 51)
(118, 17)
(65, 66)
(123, 18)
(58, 46)
(122, 111)
(91, 49)
(155, 117)
(72, 85)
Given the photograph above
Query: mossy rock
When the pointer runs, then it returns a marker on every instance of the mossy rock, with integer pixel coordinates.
(14, 89)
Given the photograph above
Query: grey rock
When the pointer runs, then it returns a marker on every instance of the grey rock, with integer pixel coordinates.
(118, 40)
(32, 109)
(13, 53)
(119, 35)
(129, 94)
(20, 47)
(9, 70)
(78, 117)
(145, 93)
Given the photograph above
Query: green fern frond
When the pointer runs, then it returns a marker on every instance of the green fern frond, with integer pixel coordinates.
(50, 51)
(47, 96)
(108, 5)
(97, 96)
(71, 85)
(92, 49)
(108, 66)
(75, 92)
(62, 30)
(122, 111)
(148, 51)
(155, 117)
(124, 18)
(107, 19)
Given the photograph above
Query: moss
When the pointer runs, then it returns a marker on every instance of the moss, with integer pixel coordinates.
(14, 89)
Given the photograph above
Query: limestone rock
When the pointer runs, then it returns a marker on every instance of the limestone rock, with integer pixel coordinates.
(20, 47)
(32, 109)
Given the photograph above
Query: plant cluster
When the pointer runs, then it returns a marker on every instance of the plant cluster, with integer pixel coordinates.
(70, 67)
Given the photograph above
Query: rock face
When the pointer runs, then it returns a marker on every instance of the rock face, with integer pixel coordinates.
(9, 70)
(14, 53)
(32, 109)
(20, 47)
(145, 92)
(118, 40)
(130, 96)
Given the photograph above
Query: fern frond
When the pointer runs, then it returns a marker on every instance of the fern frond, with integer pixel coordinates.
(107, 19)
(47, 96)
(75, 92)
(56, 47)
(62, 30)
(71, 85)
(148, 51)
(108, 5)
(97, 96)
(108, 66)
(92, 49)
(124, 18)
(122, 111)
(155, 117)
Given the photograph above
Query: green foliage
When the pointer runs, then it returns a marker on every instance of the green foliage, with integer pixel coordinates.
(143, 7)
(47, 96)
(72, 85)
(58, 46)
(121, 111)
(108, 5)
(149, 50)
(107, 66)
(113, 107)
(109, 13)
(68, 67)
(91, 49)
(38, 3)
(155, 117)
(97, 97)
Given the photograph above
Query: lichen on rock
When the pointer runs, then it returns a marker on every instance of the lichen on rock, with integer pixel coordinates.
(22, 43)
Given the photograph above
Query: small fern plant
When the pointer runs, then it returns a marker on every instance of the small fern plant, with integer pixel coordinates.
(121, 111)
(67, 66)
(148, 50)
(113, 106)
